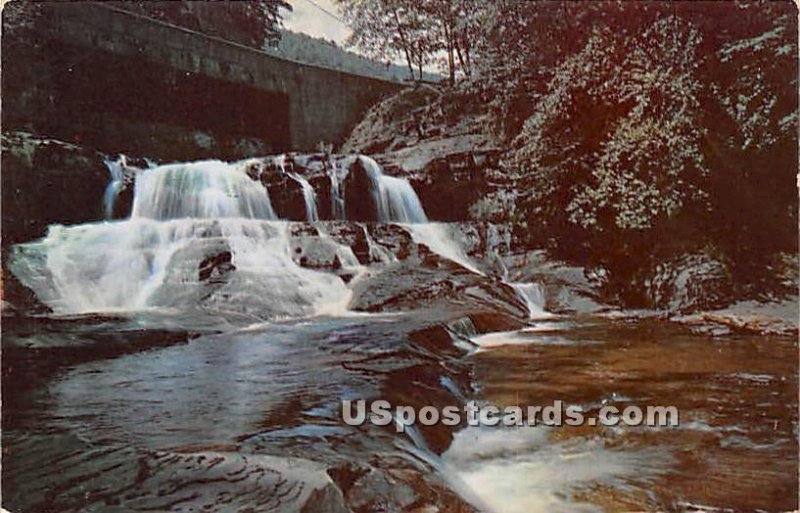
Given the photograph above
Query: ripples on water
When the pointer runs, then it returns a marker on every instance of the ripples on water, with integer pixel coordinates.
(275, 390)
(735, 449)
(246, 415)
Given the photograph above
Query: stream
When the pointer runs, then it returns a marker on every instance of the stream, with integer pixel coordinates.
(196, 355)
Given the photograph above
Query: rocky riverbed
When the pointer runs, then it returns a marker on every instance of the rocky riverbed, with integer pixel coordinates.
(192, 352)
(202, 409)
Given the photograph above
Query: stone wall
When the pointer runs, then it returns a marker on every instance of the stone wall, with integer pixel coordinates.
(117, 81)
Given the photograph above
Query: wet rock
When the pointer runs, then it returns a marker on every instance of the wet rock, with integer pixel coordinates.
(213, 268)
(46, 181)
(763, 318)
(286, 195)
(359, 200)
(446, 155)
(396, 239)
(35, 348)
(567, 288)
(448, 174)
(417, 283)
(19, 299)
(114, 478)
(379, 491)
(689, 282)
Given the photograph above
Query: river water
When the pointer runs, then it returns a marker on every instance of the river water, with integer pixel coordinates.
(193, 362)
(734, 450)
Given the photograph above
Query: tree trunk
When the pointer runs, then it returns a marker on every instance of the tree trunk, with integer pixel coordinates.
(409, 62)
(404, 42)
(448, 37)
(451, 63)
(464, 65)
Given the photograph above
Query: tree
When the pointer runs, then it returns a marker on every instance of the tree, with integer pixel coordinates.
(417, 31)
(253, 23)
(385, 29)
(455, 24)
(616, 139)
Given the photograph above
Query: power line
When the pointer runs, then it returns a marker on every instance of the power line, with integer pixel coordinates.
(326, 11)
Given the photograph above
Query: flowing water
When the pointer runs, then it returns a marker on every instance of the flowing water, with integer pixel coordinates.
(235, 404)
(183, 214)
(533, 296)
(309, 196)
(395, 198)
(734, 450)
(116, 170)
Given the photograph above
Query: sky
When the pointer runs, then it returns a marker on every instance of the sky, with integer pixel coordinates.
(310, 19)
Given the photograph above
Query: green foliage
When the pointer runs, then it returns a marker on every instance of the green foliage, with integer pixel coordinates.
(496, 207)
(253, 23)
(420, 32)
(632, 129)
(670, 122)
(617, 136)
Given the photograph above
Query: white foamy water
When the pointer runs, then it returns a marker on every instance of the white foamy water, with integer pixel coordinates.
(205, 234)
(116, 170)
(143, 263)
(205, 189)
(521, 470)
(187, 219)
(395, 199)
(542, 333)
(437, 238)
(309, 197)
(532, 294)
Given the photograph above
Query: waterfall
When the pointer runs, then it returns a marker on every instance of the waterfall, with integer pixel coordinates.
(395, 199)
(337, 174)
(205, 189)
(116, 169)
(309, 196)
(204, 234)
(185, 217)
(437, 238)
(532, 294)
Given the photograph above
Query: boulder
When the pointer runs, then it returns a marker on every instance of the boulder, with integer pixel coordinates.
(46, 181)
(689, 282)
(567, 289)
(762, 318)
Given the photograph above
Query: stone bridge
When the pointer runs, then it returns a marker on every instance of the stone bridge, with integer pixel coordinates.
(118, 81)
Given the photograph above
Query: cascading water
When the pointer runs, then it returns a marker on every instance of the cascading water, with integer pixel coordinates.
(532, 294)
(116, 169)
(309, 196)
(441, 242)
(337, 174)
(395, 199)
(183, 215)
(189, 219)
(206, 189)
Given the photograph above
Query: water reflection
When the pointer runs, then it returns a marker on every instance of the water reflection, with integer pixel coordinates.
(736, 446)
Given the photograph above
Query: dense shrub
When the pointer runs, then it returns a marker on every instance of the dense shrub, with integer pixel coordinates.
(669, 129)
